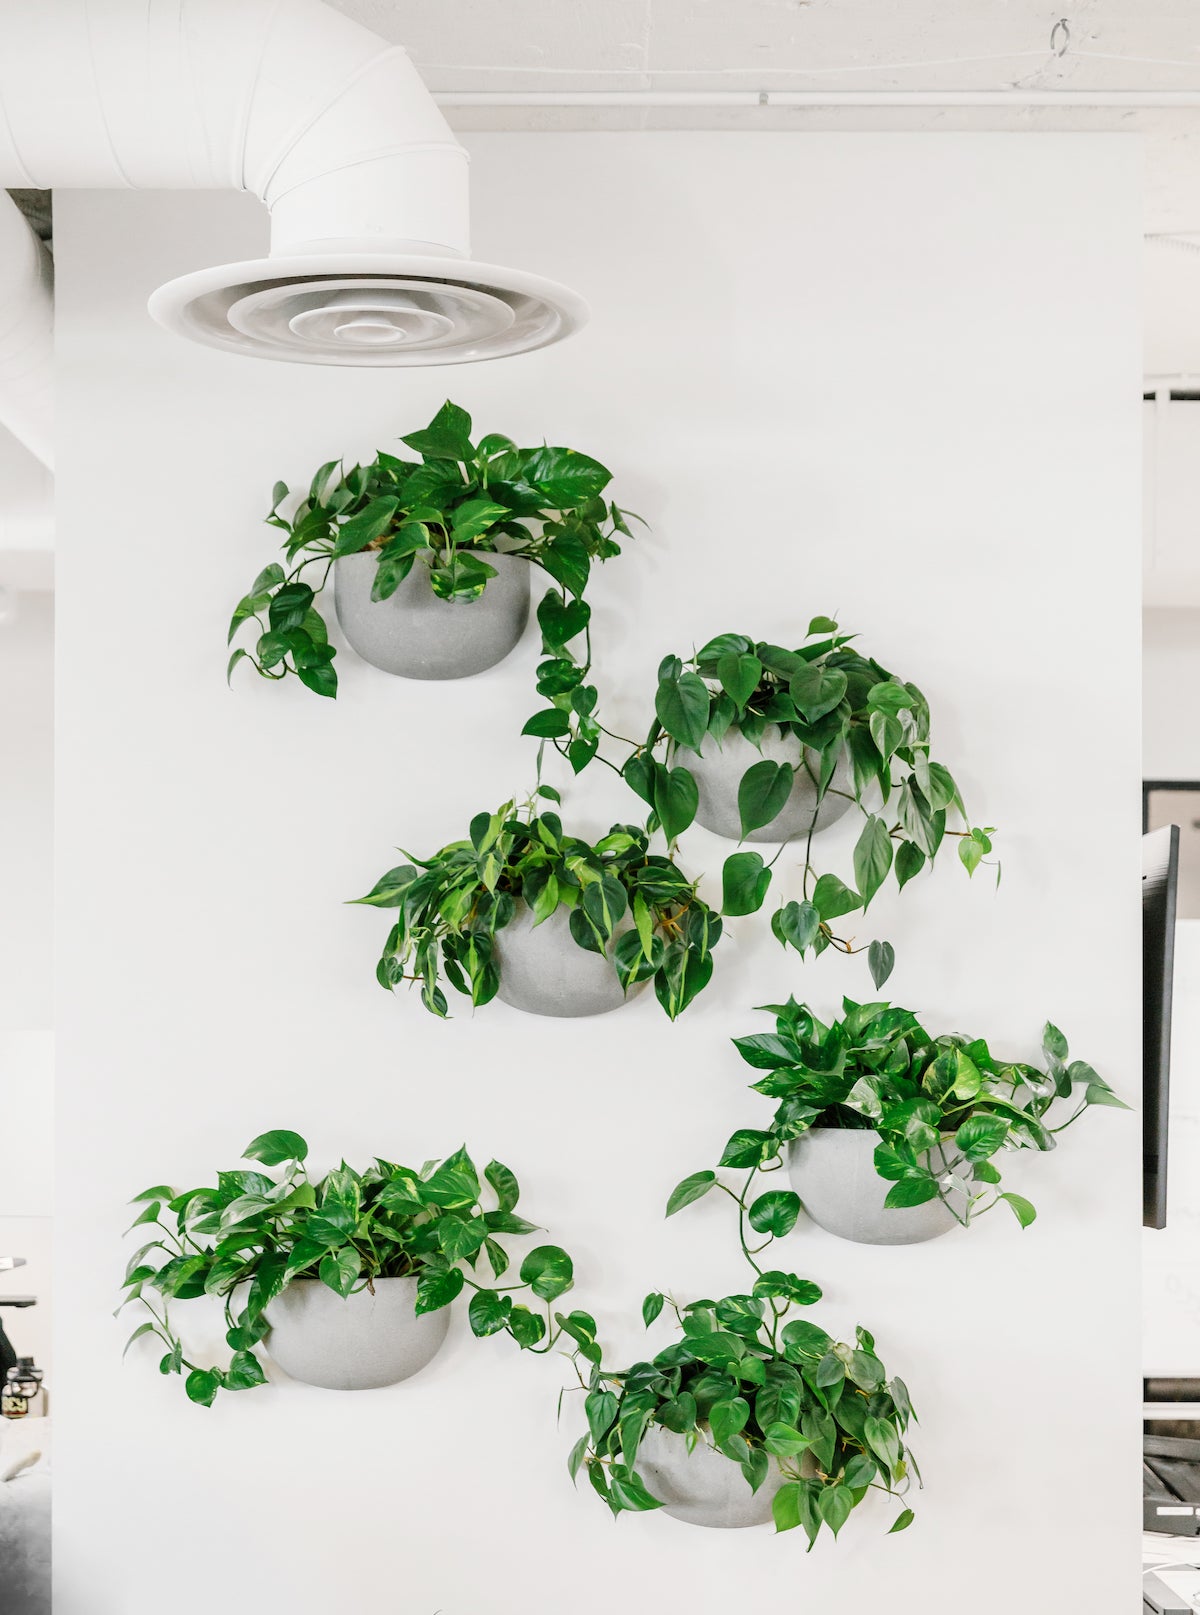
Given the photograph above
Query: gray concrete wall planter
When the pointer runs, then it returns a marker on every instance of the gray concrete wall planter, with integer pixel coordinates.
(357, 1344)
(544, 971)
(416, 635)
(718, 769)
(702, 1487)
(833, 1171)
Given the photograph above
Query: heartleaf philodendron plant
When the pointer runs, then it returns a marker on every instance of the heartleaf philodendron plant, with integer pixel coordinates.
(848, 717)
(766, 1391)
(944, 1107)
(256, 1234)
(445, 510)
(757, 1385)
(452, 906)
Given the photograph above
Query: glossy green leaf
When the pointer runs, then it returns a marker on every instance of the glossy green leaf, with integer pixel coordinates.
(739, 674)
(831, 898)
(276, 1148)
(775, 1212)
(566, 477)
(1024, 1211)
(548, 1271)
(728, 1418)
(692, 1188)
(785, 1506)
(447, 437)
(788, 1287)
(816, 690)
(872, 858)
(883, 1441)
(762, 793)
(798, 924)
(601, 1409)
(437, 1289)
(202, 1386)
(675, 800)
(748, 1147)
(549, 724)
(363, 529)
(970, 854)
(629, 1492)
(744, 882)
(981, 1136)
(835, 1504)
(652, 1306)
(910, 860)
(340, 1269)
(488, 1312)
(881, 958)
(681, 704)
(916, 1191)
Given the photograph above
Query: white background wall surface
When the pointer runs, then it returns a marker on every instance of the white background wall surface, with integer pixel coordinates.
(26, 1187)
(1171, 694)
(895, 379)
(26, 809)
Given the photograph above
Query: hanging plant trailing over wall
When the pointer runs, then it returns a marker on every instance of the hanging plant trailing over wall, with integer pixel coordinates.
(622, 900)
(446, 511)
(861, 737)
(945, 1109)
(816, 1420)
(249, 1237)
(773, 1394)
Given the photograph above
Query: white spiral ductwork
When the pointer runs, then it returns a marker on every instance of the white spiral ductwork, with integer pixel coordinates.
(26, 520)
(329, 125)
(26, 334)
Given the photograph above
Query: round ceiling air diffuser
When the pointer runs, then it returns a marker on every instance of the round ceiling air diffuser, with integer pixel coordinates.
(368, 309)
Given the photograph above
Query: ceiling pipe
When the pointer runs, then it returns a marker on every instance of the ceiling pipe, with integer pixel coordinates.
(328, 124)
(26, 334)
(26, 519)
(1077, 99)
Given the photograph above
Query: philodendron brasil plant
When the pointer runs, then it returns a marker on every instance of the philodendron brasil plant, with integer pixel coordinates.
(945, 1107)
(620, 898)
(248, 1237)
(861, 737)
(446, 510)
(774, 1394)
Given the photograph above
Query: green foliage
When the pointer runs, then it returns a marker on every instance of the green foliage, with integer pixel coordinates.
(445, 510)
(635, 907)
(764, 1390)
(251, 1235)
(860, 732)
(944, 1107)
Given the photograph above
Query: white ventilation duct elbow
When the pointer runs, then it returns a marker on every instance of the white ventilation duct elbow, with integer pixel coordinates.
(324, 121)
(26, 334)
(26, 519)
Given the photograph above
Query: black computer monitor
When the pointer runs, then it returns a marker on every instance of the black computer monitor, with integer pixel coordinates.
(1160, 877)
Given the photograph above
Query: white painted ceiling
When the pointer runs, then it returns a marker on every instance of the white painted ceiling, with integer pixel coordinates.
(836, 44)
(522, 46)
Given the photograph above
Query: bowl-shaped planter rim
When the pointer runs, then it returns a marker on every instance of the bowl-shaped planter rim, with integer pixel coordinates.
(702, 1486)
(832, 1169)
(415, 634)
(544, 971)
(718, 768)
(358, 1343)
